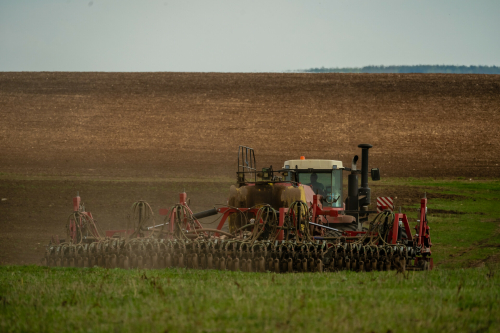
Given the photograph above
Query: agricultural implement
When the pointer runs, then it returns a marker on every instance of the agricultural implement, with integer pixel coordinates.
(296, 219)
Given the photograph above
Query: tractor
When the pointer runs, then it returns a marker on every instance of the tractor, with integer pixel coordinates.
(295, 219)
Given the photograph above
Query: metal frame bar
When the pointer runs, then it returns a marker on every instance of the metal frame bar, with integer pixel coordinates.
(246, 161)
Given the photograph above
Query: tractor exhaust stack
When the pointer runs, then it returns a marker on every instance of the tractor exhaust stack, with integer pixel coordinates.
(364, 190)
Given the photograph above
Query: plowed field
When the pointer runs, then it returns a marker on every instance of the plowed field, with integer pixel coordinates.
(120, 137)
(176, 124)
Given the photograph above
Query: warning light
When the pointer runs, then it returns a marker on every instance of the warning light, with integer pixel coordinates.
(302, 157)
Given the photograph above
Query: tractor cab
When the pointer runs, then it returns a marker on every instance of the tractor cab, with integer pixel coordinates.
(324, 177)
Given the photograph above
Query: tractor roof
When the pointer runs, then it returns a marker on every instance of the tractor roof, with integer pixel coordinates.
(313, 164)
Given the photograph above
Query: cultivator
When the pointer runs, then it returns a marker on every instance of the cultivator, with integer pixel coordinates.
(271, 223)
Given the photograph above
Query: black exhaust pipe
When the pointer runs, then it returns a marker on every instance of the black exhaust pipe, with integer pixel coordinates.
(352, 187)
(364, 190)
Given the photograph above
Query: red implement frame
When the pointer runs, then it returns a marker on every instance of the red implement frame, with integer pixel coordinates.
(73, 223)
(392, 238)
(185, 225)
(423, 237)
(317, 208)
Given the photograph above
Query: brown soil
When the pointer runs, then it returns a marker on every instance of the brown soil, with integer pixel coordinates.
(180, 124)
(173, 130)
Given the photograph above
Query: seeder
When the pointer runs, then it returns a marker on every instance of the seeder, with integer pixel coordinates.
(291, 220)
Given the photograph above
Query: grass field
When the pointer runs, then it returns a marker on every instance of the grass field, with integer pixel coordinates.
(40, 299)
(464, 221)
(462, 294)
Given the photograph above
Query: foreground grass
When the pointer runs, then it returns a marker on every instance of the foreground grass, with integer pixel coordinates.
(41, 299)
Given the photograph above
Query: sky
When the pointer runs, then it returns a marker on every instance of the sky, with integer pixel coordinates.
(244, 36)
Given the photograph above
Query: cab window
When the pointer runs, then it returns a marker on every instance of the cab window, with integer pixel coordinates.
(329, 185)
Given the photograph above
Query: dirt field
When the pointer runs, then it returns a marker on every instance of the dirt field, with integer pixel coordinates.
(120, 137)
(177, 125)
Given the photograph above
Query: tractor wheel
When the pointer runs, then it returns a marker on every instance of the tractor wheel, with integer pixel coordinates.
(403, 233)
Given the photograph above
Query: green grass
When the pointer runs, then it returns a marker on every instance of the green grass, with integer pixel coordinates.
(472, 235)
(43, 299)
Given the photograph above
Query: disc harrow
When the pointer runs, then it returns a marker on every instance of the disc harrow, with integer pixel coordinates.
(182, 242)
(259, 256)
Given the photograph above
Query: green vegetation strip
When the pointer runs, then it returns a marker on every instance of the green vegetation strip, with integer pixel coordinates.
(41, 299)
(447, 69)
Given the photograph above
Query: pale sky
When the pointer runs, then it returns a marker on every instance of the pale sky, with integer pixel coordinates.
(244, 36)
